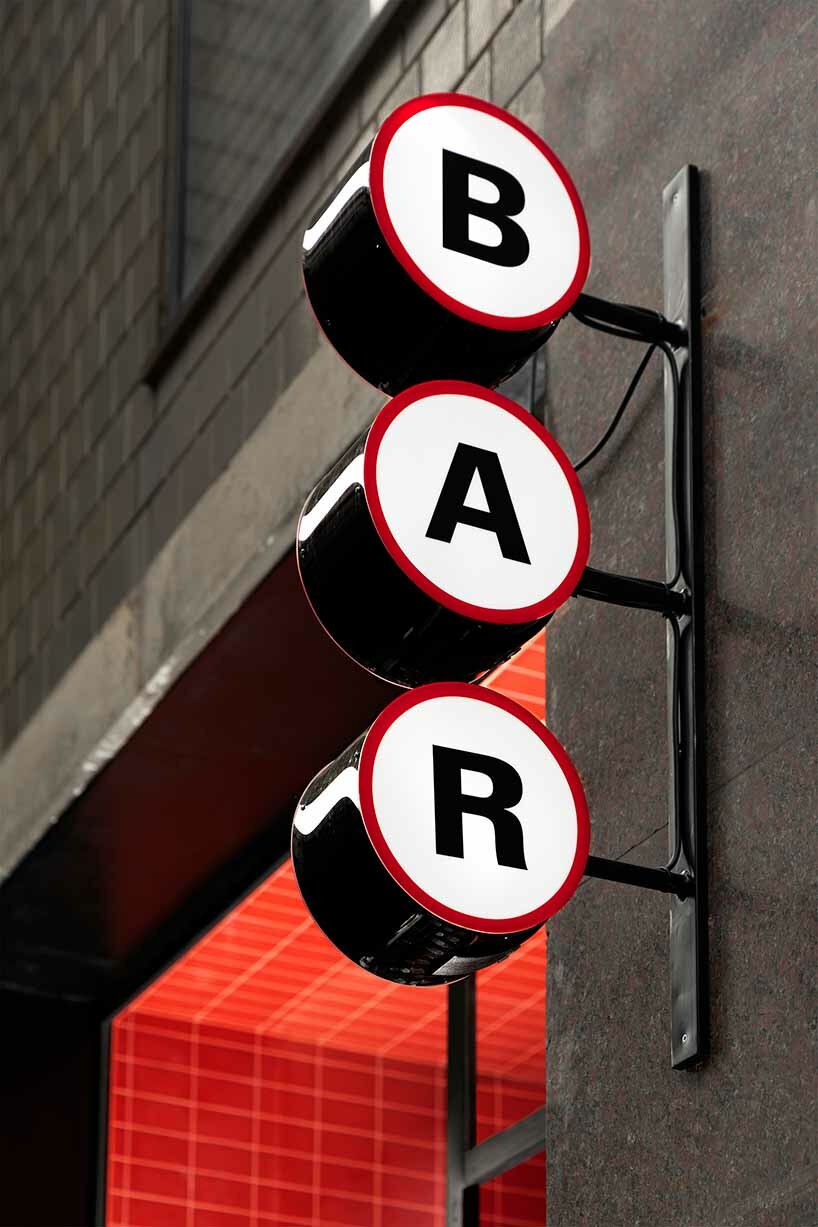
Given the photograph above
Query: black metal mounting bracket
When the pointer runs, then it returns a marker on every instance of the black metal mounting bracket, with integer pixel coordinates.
(679, 598)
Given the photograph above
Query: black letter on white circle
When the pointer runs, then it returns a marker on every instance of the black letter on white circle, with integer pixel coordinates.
(459, 206)
(451, 803)
(451, 509)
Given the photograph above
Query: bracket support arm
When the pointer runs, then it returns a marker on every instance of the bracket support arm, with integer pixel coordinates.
(669, 883)
(633, 593)
(646, 325)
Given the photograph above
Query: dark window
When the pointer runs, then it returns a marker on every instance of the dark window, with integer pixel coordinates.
(251, 73)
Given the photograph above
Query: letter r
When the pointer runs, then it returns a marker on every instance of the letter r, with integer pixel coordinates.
(451, 803)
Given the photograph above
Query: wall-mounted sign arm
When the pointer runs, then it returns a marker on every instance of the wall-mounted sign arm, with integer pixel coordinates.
(632, 592)
(632, 323)
(663, 880)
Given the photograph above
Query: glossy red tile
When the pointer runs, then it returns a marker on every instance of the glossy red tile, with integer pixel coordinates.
(163, 1182)
(265, 1080)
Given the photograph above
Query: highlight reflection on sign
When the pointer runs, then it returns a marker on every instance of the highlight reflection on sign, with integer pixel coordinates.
(442, 838)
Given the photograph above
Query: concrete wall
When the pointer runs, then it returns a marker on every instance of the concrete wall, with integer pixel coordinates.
(136, 518)
(631, 92)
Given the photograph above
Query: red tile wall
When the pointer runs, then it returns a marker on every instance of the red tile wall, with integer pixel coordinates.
(264, 1079)
(517, 1198)
(211, 1127)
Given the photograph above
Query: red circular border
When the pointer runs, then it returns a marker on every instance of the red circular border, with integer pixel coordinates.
(366, 766)
(440, 387)
(377, 157)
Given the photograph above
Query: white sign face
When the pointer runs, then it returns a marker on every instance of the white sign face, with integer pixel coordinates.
(476, 502)
(473, 807)
(479, 211)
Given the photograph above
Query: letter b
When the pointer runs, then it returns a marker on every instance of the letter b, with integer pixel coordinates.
(459, 206)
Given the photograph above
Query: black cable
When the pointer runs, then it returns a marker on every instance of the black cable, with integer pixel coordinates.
(628, 335)
(615, 420)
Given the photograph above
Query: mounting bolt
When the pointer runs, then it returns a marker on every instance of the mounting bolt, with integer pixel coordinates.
(684, 1038)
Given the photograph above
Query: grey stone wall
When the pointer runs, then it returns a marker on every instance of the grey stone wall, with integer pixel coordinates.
(631, 92)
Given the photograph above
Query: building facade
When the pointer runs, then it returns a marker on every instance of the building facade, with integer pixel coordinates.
(167, 402)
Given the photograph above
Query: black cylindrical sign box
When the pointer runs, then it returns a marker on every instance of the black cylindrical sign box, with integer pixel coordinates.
(410, 875)
(445, 537)
(451, 249)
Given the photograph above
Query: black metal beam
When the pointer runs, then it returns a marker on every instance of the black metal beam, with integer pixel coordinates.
(683, 498)
(505, 1150)
(663, 880)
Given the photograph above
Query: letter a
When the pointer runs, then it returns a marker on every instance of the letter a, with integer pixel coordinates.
(459, 206)
(451, 803)
(500, 519)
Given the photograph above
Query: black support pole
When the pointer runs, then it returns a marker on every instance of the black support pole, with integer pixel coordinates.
(462, 1200)
(689, 990)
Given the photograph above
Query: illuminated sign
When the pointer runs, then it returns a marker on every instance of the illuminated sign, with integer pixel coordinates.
(479, 211)
(450, 250)
(449, 832)
(445, 537)
(442, 542)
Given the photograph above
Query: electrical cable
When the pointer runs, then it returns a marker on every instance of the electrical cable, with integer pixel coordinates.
(628, 335)
(615, 420)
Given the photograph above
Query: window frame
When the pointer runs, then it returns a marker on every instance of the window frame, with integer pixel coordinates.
(183, 311)
(469, 1164)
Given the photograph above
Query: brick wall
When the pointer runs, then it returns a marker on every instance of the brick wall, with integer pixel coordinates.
(264, 1079)
(99, 470)
(83, 120)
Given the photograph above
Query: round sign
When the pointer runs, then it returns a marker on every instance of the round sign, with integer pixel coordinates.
(479, 211)
(450, 250)
(441, 839)
(476, 502)
(473, 807)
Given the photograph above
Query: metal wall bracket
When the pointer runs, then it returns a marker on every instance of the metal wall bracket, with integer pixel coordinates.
(680, 600)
